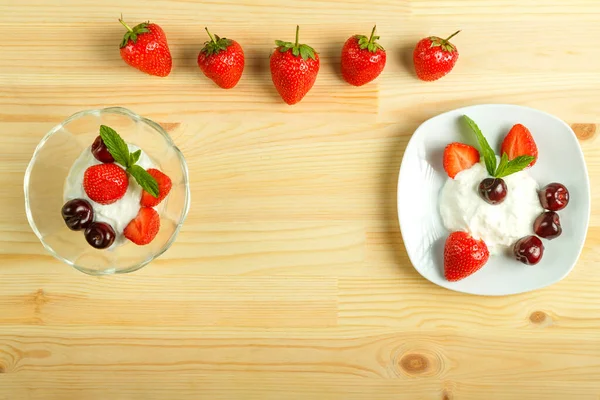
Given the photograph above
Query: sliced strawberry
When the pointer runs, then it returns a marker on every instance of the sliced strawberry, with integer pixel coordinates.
(164, 187)
(463, 256)
(105, 183)
(519, 142)
(144, 227)
(458, 157)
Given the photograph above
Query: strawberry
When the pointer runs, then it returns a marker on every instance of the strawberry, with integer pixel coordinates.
(222, 61)
(519, 142)
(459, 156)
(105, 183)
(145, 47)
(434, 57)
(144, 227)
(463, 256)
(294, 69)
(363, 59)
(164, 187)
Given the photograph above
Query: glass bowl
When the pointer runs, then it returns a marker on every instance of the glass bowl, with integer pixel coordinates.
(48, 169)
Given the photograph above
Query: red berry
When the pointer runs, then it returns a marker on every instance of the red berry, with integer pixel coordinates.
(554, 196)
(463, 256)
(164, 187)
(222, 60)
(493, 190)
(363, 59)
(294, 69)
(458, 157)
(145, 47)
(519, 142)
(144, 227)
(100, 151)
(529, 250)
(100, 235)
(547, 225)
(78, 214)
(434, 57)
(105, 183)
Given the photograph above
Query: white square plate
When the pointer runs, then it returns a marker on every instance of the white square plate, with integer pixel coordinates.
(422, 176)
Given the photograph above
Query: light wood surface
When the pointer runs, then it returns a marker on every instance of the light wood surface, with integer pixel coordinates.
(289, 279)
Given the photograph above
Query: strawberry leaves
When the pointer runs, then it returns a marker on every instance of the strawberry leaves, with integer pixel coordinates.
(120, 151)
(369, 43)
(132, 34)
(215, 45)
(302, 50)
(506, 166)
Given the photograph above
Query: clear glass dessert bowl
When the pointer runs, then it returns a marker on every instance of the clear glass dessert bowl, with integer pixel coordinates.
(50, 165)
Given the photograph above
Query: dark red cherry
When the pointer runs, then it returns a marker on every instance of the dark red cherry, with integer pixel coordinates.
(529, 250)
(100, 235)
(547, 225)
(493, 190)
(554, 196)
(100, 151)
(78, 214)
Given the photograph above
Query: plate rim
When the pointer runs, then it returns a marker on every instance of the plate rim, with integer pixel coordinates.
(412, 141)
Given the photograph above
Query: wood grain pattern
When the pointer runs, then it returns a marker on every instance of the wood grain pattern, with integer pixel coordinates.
(289, 278)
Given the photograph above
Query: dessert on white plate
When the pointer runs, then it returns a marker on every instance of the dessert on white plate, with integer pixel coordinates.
(490, 204)
(113, 192)
(422, 179)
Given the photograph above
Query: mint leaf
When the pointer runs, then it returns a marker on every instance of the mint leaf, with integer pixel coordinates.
(515, 165)
(116, 146)
(502, 165)
(135, 156)
(485, 150)
(144, 179)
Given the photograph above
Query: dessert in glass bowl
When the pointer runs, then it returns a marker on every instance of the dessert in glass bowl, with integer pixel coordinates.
(107, 191)
(492, 206)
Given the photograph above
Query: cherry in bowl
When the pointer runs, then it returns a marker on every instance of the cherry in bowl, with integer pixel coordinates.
(529, 250)
(554, 196)
(100, 151)
(493, 190)
(100, 235)
(547, 225)
(78, 214)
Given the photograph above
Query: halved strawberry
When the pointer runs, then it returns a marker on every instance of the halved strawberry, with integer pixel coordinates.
(459, 156)
(519, 142)
(164, 187)
(463, 256)
(144, 227)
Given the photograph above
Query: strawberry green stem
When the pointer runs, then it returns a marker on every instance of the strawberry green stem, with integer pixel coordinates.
(211, 36)
(451, 36)
(124, 24)
(297, 31)
(372, 34)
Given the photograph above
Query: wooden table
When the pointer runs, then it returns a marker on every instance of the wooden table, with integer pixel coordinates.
(289, 279)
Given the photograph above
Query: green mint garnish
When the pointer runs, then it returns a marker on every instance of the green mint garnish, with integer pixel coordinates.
(506, 166)
(118, 149)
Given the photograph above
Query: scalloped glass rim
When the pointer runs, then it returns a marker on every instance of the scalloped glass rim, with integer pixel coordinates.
(98, 112)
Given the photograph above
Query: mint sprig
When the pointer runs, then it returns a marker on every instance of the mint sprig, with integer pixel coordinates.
(506, 166)
(118, 149)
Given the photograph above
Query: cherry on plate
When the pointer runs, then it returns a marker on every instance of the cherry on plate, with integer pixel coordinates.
(493, 190)
(547, 225)
(78, 214)
(100, 235)
(100, 151)
(554, 196)
(529, 250)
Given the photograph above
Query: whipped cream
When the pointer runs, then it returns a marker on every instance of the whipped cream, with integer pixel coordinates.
(500, 225)
(118, 214)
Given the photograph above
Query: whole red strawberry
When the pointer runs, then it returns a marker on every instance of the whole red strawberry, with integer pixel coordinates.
(164, 187)
(105, 183)
(294, 69)
(222, 60)
(463, 255)
(145, 47)
(434, 57)
(363, 59)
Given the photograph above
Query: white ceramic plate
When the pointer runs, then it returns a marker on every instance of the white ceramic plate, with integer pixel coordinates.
(422, 177)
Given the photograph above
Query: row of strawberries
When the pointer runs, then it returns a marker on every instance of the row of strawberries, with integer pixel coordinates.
(294, 66)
